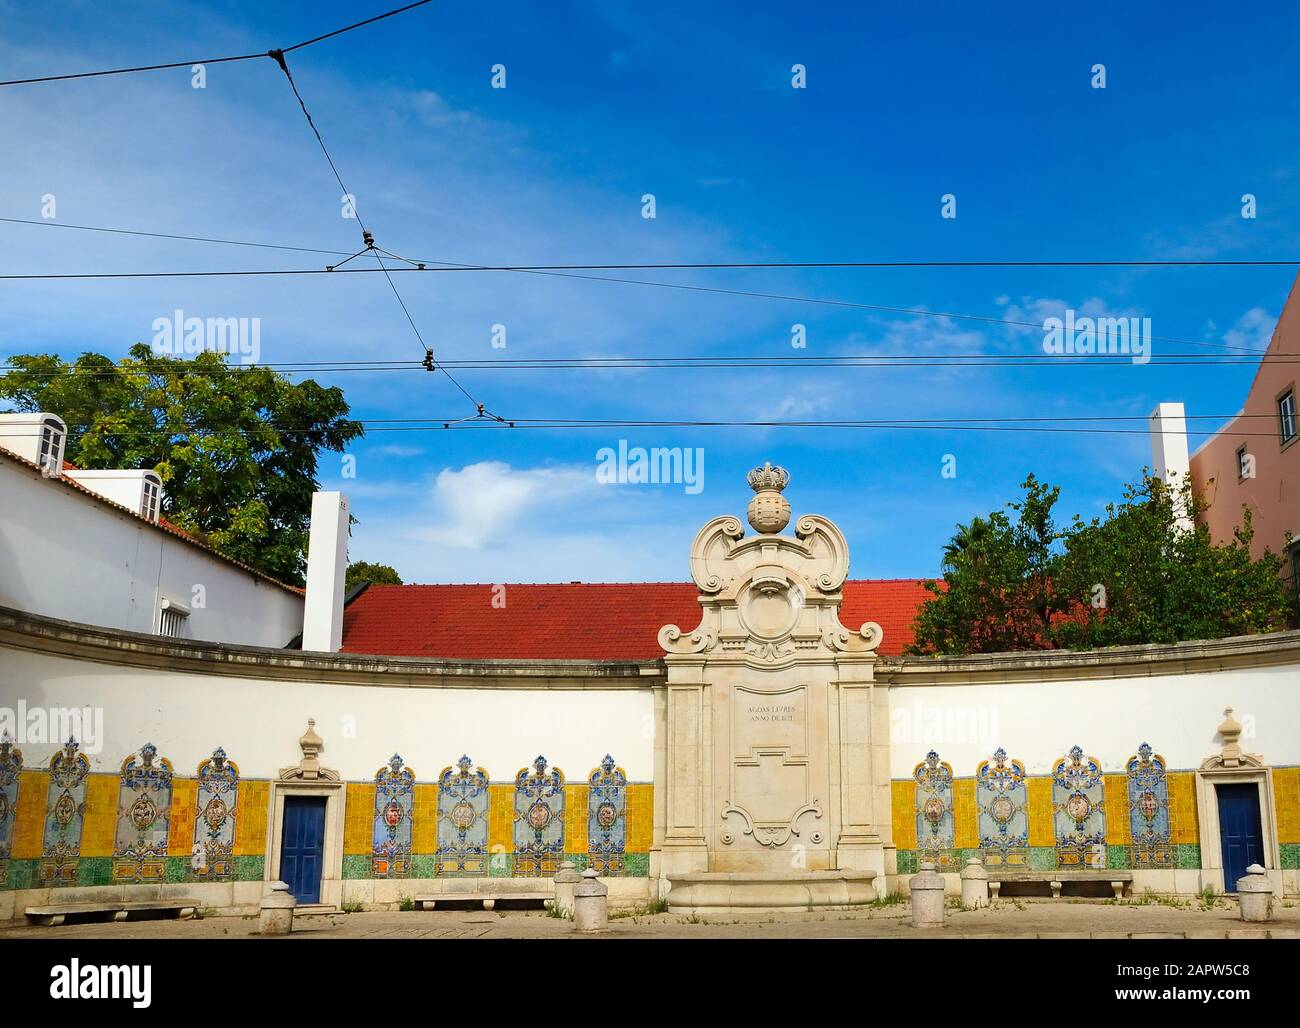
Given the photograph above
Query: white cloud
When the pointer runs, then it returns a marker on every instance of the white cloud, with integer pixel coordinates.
(480, 503)
(1253, 330)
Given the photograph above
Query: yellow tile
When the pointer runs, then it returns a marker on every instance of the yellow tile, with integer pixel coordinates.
(180, 828)
(902, 797)
(99, 824)
(576, 798)
(29, 815)
(1118, 830)
(250, 818)
(1041, 830)
(359, 826)
(966, 835)
(424, 829)
(1286, 794)
(1183, 824)
(640, 818)
(501, 818)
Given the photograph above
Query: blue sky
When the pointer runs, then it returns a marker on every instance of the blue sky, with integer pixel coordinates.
(693, 103)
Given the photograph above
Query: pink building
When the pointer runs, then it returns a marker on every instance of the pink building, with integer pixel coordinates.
(1254, 460)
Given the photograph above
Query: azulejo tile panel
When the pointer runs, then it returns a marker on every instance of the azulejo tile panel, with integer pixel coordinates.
(462, 837)
(217, 805)
(1002, 801)
(607, 818)
(1148, 810)
(394, 813)
(1079, 811)
(145, 824)
(143, 816)
(11, 766)
(539, 820)
(65, 810)
(936, 825)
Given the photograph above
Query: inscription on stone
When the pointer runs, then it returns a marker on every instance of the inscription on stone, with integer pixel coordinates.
(761, 712)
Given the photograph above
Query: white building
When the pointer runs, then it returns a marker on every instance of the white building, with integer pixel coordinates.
(91, 547)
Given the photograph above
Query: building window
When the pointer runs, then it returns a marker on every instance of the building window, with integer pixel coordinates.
(1295, 564)
(1286, 415)
(149, 500)
(51, 455)
(171, 620)
(1245, 463)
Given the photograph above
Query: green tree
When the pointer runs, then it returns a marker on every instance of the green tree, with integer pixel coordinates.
(996, 592)
(1138, 575)
(1143, 577)
(236, 446)
(375, 574)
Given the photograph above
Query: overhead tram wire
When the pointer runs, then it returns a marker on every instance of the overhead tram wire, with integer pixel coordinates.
(370, 248)
(1095, 425)
(828, 301)
(217, 60)
(664, 285)
(914, 362)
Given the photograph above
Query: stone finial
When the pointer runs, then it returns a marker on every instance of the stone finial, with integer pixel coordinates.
(1231, 730)
(769, 511)
(311, 744)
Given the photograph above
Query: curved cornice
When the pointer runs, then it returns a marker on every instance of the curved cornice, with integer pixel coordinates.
(58, 638)
(1206, 655)
(69, 639)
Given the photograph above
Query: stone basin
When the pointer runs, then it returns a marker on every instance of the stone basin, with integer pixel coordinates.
(735, 892)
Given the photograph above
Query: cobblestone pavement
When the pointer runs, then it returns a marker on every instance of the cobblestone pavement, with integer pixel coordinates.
(1023, 918)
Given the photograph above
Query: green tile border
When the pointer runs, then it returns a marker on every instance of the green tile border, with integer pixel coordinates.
(95, 871)
(1187, 856)
(250, 869)
(1119, 857)
(1042, 858)
(22, 874)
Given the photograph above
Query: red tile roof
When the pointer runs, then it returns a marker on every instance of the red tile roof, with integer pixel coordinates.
(579, 621)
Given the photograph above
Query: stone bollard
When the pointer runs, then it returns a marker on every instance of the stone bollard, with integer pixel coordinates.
(590, 903)
(974, 884)
(927, 898)
(565, 880)
(1255, 893)
(277, 910)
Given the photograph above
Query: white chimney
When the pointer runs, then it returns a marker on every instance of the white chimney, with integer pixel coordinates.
(37, 437)
(1169, 449)
(327, 565)
(140, 491)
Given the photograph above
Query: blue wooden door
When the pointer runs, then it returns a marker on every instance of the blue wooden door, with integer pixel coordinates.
(1239, 830)
(302, 853)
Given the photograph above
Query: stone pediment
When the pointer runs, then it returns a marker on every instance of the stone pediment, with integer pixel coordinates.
(770, 599)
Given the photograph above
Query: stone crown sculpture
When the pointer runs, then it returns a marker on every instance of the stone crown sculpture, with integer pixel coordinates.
(769, 511)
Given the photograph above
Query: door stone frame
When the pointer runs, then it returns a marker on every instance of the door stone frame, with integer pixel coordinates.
(309, 779)
(1232, 766)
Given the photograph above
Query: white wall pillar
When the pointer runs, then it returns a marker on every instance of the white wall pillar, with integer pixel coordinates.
(327, 565)
(1169, 455)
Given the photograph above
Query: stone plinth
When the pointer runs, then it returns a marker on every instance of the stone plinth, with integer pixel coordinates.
(720, 892)
(775, 757)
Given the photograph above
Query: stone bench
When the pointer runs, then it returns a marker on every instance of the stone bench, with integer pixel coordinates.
(1057, 878)
(55, 914)
(487, 891)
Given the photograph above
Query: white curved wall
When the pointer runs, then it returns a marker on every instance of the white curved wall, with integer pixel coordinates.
(1038, 722)
(258, 722)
